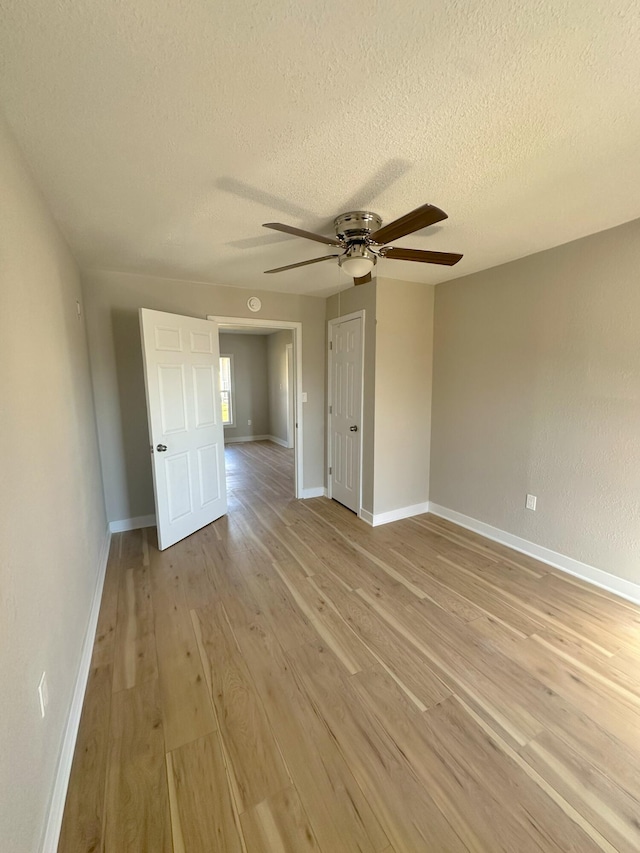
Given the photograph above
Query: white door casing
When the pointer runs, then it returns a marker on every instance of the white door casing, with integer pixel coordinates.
(345, 413)
(290, 395)
(181, 369)
(296, 329)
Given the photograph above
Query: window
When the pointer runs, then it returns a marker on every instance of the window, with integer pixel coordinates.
(226, 389)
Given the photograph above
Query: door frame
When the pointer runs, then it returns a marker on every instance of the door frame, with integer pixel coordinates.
(291, 407)
(330, 326)
(296, 329)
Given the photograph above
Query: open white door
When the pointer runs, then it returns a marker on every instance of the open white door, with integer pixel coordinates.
(181, 370)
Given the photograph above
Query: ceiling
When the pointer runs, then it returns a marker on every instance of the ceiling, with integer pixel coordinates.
(164, 134)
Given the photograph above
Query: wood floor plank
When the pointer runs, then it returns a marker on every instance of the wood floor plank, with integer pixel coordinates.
(256, 764)
(354, 564)
(166, 578)
(495, 550)
(339, 813)
(104, 644)
(82, 825)
(187, 712)
(402, 804)
(289, 678)
(609, 809)
(450, 754)
(457, 671)
(202, 813)
(135, 649)
(279, 824)
(328, 623)
(278, 609)
(408, 668)
(622, 630)
(435, 591)
(137, 804)
(451, 732)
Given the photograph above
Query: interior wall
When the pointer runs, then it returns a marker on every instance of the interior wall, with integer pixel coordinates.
(250, 385)
(537, 390)
(403, 380)
(346, 302)
(277, 379)
(112, 302)
(52, 516)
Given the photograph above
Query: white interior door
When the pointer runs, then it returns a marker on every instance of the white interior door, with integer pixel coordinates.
(181, 369)
(346, 412)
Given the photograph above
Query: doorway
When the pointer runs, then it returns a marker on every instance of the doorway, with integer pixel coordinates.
(288, 387)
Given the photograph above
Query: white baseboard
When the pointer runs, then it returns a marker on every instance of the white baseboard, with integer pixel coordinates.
(238, 439)
(136, 523)
(280, 441)
(375, 519)
(315, 492)
(65, 760)
(598, 577)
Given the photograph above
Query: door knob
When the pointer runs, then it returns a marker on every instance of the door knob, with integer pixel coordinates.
(161, 447)
(353, 429)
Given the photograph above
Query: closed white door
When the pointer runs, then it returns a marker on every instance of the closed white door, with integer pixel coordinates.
(346, 412)
(181, 368)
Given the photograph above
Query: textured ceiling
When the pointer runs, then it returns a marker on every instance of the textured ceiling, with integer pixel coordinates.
(164, 133)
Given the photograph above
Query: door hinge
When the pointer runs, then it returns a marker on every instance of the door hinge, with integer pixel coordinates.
(330, 344)
(331, 470)
(330, 410)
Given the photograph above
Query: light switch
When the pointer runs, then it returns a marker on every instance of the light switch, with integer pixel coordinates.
(304, 396)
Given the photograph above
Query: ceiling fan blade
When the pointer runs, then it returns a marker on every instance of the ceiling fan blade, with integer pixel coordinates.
(419, 218)
(298, 232)
(363, 279)
(303, 263)
(446, 258)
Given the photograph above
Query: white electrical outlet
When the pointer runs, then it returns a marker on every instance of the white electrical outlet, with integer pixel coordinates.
(43, 694)
(531, 502)
(249, 423)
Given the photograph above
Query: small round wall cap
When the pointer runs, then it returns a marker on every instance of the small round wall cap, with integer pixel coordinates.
(254, 304)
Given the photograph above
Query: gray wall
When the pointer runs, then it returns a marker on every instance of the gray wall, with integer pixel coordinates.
(277, 378)
(112, 302)
(52, 518)
(251, 398)
(404, 349)
(537, 389)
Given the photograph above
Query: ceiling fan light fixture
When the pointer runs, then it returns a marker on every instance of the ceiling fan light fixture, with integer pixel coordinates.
(357, 261)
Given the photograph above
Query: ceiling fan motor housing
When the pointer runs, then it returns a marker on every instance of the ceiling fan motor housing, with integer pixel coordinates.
(356, 225)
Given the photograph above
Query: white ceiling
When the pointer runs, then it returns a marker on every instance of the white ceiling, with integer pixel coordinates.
(164, 134)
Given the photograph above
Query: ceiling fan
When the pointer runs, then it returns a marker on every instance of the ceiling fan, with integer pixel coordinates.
(364, 240)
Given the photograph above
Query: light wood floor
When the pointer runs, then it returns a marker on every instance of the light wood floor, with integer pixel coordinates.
(289, 679)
